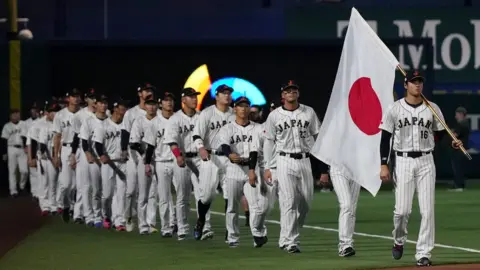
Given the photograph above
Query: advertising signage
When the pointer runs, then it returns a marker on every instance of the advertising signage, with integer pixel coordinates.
(455, 34)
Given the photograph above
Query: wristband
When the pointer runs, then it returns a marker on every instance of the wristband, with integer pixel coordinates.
(176, 152)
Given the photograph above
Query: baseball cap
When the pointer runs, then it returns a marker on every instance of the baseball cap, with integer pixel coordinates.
(223, 88)
(52, 107)
(242, 100)
(100, 98)
(461, 110)
(188, 92)
(90, 93)
(414, 75)
(119, 101)
(150, 102)
(146, 86)
(74, 93)
(290, 84)
(165, 95)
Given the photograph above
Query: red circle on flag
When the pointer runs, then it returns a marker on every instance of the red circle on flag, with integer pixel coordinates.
(364, 105)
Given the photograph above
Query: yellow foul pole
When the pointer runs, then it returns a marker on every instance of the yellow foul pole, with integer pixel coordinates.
(14, 56)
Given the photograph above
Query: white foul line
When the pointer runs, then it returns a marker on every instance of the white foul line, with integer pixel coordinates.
(357, 233)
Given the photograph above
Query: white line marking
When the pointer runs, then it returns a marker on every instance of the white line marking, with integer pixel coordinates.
(471, 250)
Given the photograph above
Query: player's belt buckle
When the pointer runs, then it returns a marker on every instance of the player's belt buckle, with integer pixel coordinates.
(405, 154)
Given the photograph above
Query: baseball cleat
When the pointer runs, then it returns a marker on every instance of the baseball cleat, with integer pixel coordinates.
(167, 235)
(45, 213)
(15, 195)
(107, 224)
(53, 213)
(182, 237)
(98, 225)
(152, 229)
(78, 221)
(397, 252)
(424, 262)
(347, 252)
(144, 233)
(226, 237)
(207, 235)
(90, 224)
(66, 215)
(233, 244)
(129, 226)
(293, 249)
(258, 242)
(197, 231)
(174, 229)
(120, 228)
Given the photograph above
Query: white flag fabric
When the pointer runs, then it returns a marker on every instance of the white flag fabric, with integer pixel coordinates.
(349, 138)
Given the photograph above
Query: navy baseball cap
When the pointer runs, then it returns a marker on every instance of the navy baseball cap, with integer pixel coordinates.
(223, 88)
(166, 95)
(188, 92)
(52, 107)
(100, 98)
(120, 102)
(242, 100)
(90, 93)
(290, 85)
(146, 87)
(414, 75)
(150, 102)
(74, 93)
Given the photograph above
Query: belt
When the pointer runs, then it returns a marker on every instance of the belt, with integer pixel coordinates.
(190, 154)
(412, 154)
(215, 152)
(295, 155)
(16, 146)
(67, 144)
(164, 161)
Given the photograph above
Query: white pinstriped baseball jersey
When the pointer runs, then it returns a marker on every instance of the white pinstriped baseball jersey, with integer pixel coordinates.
(45, 136)
(109, 136)
(155, 136)
(180, 131)
(80, 117)
(63, 124)
(291, 130)
(13, 133)
(412, 127)
(209, 123)
(130, 116)
(241, 139)
(34, 130)
(87, 129)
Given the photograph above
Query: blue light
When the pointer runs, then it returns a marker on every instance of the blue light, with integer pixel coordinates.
(241, 88)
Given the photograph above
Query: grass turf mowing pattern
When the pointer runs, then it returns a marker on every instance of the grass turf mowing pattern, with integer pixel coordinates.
(69, 246)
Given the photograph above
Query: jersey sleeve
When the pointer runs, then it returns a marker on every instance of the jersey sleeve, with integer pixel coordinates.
(149, 136)
(57, 124)
(201, 126)
(5, 132)
(76, 123)
(171, 131)
(84, 132)
(315, 126)
(269, 128)
(43, 136)
(127, 121)
(388, 120)
(136, 131)
(223, 135)
(25, 128)
(98, 135)
(437, 126)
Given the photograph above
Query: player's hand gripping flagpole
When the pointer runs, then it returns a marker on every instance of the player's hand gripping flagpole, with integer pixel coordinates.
(439, 119)
(349, 138)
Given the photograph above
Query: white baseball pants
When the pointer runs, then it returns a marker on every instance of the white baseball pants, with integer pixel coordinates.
(47, 185)
(152, 206)
(347, 192)
(415, 173)
(112, 183)
(131, 187)
(34, 181)
(193, 164)
(92, 193)
(295, 194)
(164, 170)
(66, 180)
(17, 157)
(144, 186)
(82, 185)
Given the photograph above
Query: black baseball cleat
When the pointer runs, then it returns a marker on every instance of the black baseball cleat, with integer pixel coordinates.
(66, 215)
(347, 252)
(198, 230)
(424, 262)
(174, 229)
(293, 249)
(167, 235)
(397, 252)
(78, 221)
(91, 224)
(258, 242)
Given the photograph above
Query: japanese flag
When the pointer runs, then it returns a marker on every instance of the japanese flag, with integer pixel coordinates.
(349, 138)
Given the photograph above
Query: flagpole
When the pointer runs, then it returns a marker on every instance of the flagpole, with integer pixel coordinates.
(439, 119)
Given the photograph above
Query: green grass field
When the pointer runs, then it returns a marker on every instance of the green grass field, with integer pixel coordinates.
(68, 246)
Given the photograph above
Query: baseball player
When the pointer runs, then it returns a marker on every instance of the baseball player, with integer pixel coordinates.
(81, 172)
(164, 168)
(179, 137)
(206, 139)
(63, 158)
(92, 186)
(289, 128)
(46, 170)
(239, 141)
(413, 126)
(144, 92)
(15, 151)
(32, 163)
(107, 143)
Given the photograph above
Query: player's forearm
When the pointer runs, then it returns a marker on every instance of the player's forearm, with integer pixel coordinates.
(252, 160)
(33, 148)
(268, 146)
(75, 143)
(99, 148)
(4, 145)
(226, 149)
(124, 140)
(175, 149)
(24, 140)
(85, 146)
(56, 145)
(441, 134)
(385, 147)
(149, 153)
